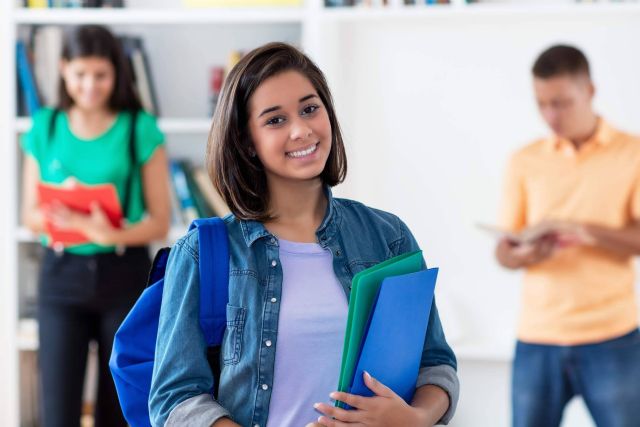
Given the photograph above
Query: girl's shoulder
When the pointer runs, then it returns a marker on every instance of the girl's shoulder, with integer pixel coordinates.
(355, 211)
(190, 241)
(42, 117)
(145, 117)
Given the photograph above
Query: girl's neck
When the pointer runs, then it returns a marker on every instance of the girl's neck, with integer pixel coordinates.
(89, 124)
(298, 209)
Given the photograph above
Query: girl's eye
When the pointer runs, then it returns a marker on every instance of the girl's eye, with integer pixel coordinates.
(310, 109)
(275, 121)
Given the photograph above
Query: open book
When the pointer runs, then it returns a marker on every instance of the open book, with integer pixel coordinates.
(527, 235)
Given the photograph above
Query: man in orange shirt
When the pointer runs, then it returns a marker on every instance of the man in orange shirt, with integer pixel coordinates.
(578, 329)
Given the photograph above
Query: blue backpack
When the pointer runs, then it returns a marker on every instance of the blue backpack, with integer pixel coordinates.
(134, 344)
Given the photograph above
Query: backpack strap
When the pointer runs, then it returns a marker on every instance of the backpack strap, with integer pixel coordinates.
(214, 277)
(133, 162)
(52, 124)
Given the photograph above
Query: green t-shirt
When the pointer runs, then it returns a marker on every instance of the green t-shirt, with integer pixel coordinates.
(101, 160)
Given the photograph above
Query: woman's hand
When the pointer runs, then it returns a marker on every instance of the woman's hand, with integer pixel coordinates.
(384, 409)
(95, 225)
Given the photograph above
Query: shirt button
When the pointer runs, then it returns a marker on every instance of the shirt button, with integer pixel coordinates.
(274, 263)
(272, 240)
(268, 343)
(265, 387)
(256, 425)
(338, 252)
(274, 299)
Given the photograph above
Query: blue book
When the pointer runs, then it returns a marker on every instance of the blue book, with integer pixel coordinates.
(183, 194)
(395, 334)
(26, 80)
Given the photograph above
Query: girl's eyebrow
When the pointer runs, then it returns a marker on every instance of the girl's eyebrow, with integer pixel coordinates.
(277, 107)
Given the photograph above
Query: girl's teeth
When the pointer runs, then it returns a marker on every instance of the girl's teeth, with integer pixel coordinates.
(303, 153)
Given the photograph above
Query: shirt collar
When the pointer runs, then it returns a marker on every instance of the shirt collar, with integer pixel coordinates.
(603, 136)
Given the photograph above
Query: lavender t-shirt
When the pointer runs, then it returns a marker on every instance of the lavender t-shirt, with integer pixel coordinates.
(311, 326)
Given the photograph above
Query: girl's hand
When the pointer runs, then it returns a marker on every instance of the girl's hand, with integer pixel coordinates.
(60, 216)
(384, 409)
(96, 225)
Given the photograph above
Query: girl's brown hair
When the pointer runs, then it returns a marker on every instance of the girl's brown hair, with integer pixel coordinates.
(237, 175)
(97, 41)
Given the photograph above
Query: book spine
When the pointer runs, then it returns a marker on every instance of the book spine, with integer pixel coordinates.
(187, 204)
(240, 3)
(26, 80)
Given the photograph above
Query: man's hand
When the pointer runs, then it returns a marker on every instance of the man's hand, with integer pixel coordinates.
(572, 234)
(386, 408)
(515, 256)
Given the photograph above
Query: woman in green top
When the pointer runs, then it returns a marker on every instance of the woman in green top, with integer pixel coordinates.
(97, 135)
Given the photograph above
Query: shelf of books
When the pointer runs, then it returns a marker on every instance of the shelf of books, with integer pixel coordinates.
(61, 16)
(348, 10)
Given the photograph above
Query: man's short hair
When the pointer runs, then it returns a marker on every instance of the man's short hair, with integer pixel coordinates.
(560, 60)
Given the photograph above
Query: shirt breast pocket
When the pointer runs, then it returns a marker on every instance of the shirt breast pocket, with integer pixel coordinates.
(232, 348)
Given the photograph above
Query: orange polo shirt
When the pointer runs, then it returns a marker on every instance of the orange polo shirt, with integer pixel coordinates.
(581, 294)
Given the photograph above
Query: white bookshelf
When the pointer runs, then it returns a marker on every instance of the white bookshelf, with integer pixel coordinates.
(167, 125)
(178, 16)
(317, 34)
(475, 10)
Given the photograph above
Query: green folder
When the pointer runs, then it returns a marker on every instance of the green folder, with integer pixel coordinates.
(364, 288)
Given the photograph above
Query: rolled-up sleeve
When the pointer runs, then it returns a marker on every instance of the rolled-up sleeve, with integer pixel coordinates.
(445, 377)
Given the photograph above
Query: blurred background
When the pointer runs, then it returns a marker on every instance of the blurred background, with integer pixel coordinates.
(432, 99)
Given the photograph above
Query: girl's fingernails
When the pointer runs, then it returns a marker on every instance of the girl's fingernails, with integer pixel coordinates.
(367, 374)
(316, 405)
(333, 395)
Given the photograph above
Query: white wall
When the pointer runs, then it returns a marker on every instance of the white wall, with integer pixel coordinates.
(432, 108)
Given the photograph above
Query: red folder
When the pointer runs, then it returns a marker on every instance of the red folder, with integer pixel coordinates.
(79, 197)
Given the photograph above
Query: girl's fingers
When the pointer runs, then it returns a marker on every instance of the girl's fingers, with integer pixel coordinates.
(328, 422)
(377, 387)
(352, 400)
(337, 413)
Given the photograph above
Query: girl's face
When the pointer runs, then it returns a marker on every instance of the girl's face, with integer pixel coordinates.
(89, 81)
(289, 128)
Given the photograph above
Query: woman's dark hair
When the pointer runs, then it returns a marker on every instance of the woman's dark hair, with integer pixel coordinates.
(561, 60)
(238, 176)
(97, 41)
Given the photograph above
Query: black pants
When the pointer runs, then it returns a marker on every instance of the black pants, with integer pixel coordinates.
(83, 298)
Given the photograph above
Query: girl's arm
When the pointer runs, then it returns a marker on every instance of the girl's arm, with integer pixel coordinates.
(433, 402)
(31, 214)
(155, 184)
(182, 379)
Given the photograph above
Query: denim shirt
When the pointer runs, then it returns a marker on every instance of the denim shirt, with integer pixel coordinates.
(357, 236)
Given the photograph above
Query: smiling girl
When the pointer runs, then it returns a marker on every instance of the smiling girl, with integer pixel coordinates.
(275, 150)
(86, 290)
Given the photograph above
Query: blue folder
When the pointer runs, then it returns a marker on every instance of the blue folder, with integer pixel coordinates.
(395, 334)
